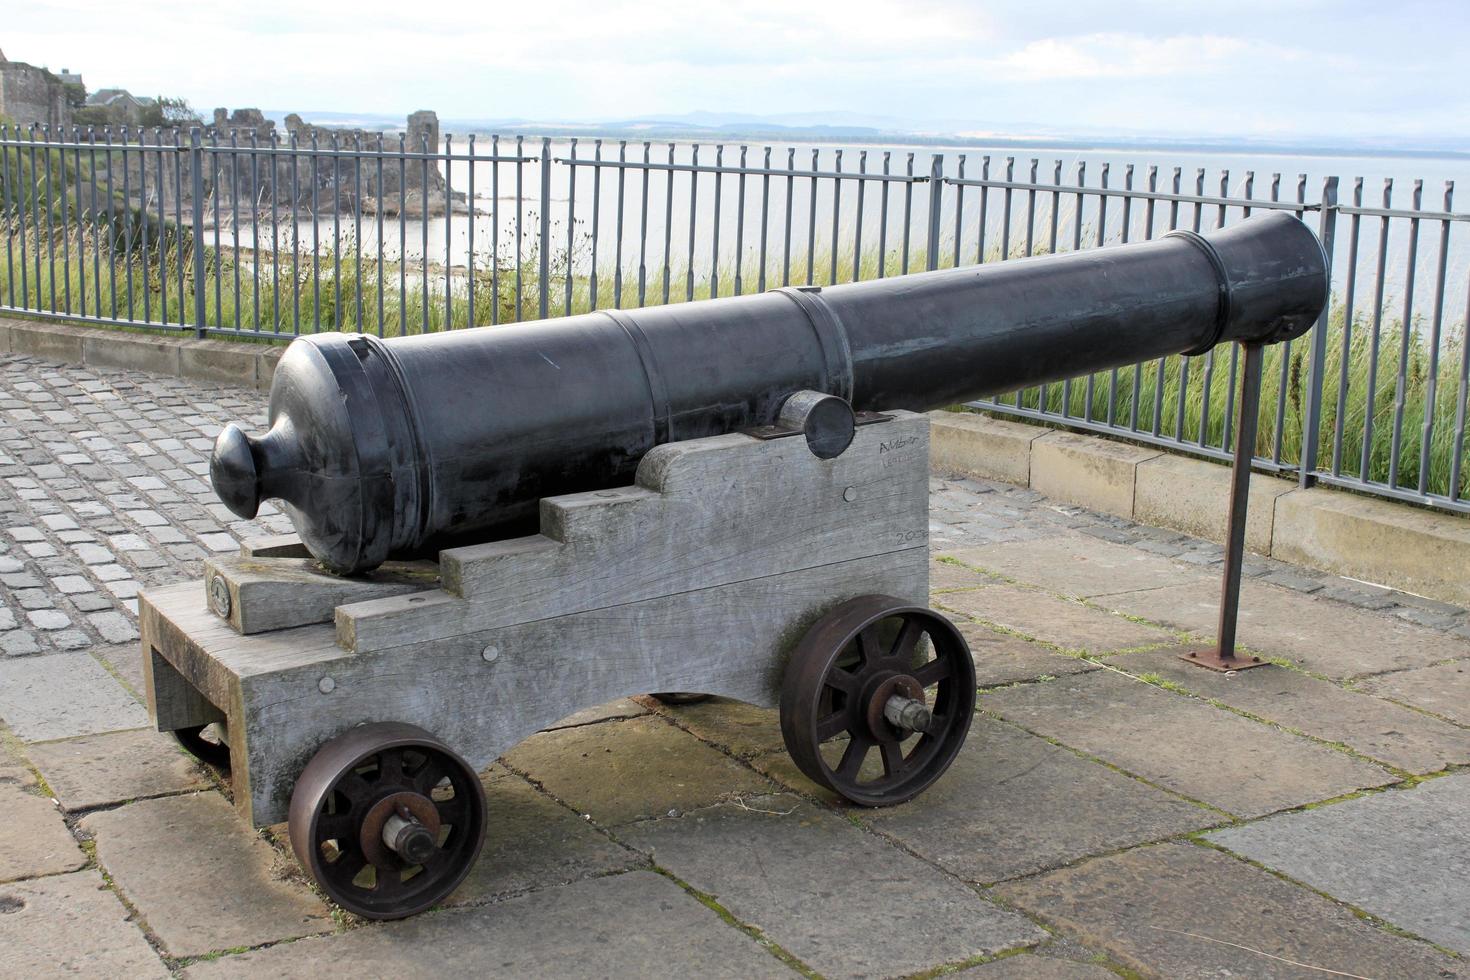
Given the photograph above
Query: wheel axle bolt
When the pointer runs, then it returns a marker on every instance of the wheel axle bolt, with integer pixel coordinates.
(409, 839)
(908, 714)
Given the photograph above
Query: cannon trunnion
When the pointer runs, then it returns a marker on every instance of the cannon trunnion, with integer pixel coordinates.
(728, 497)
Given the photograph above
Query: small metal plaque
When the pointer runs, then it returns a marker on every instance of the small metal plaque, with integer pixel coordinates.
(219, 596)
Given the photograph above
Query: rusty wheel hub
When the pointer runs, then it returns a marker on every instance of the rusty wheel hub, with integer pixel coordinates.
(882, 691)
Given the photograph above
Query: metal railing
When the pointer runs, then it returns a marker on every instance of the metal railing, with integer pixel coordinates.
(263, 236)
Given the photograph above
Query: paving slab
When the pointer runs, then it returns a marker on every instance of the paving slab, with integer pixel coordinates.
(944, 576)
(638, 924)
(1061, 622)
(1403, 855)
(1184, 911)
(739, 728)
(1374, 727)
(200, 878)
(1030, 966)
(535, 842)
(1002, 658)
(97, 770)
(1013, 804)
(1078, 565)
(1183, 744)
(613, 710)
(632, 770)
(71, 925)
(1327, 638)
(1443, 689)
(35, 840)
(840, 900)
(62, 695)
(124, 661)
(778, 766)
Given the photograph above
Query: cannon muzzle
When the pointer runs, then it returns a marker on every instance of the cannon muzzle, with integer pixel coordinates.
(394, 447)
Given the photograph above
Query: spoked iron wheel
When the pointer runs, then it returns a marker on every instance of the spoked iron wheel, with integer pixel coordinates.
(877, 700)
(387, 819)
(207, 743)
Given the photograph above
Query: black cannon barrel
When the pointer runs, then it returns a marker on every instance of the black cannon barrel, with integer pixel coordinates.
(384, 448)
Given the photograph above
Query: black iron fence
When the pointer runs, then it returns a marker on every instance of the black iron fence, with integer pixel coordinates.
(256, 235)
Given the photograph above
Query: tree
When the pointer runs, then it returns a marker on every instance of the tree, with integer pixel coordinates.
(166, 111)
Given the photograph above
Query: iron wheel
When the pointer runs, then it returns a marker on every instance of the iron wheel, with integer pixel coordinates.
(387, 819)
(877, 673)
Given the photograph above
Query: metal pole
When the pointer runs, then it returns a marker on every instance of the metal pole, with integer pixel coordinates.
(196, 163)
(544, 264)
(1316, 377)
(936, 200)
(1222, 657)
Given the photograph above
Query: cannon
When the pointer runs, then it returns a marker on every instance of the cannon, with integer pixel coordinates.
(400, 447)
(499, 527)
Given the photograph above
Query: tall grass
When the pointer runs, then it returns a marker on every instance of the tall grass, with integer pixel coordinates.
(1361, 389)
(79, 268)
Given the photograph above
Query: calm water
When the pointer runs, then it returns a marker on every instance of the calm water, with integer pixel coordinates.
(706, 225)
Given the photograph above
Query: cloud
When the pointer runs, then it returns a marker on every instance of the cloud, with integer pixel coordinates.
(1112, 56)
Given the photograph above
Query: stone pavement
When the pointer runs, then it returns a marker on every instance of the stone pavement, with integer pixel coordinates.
(1114, 811)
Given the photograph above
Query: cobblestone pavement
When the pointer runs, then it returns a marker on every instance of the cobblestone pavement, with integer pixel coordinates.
(1115, 811)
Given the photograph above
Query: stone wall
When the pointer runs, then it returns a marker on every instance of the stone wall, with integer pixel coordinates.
(31, 95)
(251, 183)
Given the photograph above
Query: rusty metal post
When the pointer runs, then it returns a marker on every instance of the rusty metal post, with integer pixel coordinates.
(1222, 656)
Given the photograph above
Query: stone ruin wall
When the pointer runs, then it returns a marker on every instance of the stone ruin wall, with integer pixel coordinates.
(257, 183)
(33, 95)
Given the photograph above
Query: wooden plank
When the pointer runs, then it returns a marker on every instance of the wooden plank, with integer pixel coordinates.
(173, 702)
(274, 546)
(704, 513)
(196, 662)
(731, 639)
(169, 618)
(267, 594)
(208, 651)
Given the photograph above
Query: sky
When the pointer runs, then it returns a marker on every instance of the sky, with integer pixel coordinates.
(1388, 70)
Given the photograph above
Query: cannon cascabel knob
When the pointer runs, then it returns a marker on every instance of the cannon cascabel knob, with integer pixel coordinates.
(232, 472)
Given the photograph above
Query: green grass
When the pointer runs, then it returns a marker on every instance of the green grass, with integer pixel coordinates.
(1287, 369)
(336, 290)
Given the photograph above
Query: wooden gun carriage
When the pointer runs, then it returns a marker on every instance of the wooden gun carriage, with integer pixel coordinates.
(739, 565)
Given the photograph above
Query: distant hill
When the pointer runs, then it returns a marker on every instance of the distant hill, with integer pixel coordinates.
(849, 127)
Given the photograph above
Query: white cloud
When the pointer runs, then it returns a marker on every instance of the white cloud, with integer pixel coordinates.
(1107, 56)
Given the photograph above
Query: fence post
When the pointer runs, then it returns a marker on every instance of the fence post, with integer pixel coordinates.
(1316, 375)
(196, 165)
(544, 270)
(936, 197)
